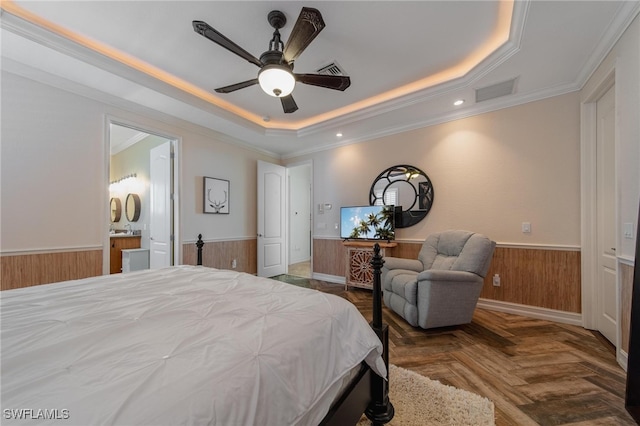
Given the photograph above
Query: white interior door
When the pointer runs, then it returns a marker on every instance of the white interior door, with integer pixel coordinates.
(607, 304)
(160, 247)
(272, 238)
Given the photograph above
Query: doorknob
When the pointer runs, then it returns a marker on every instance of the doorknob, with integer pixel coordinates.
(259, 235)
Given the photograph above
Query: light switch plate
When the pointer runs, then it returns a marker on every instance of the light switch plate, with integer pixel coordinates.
(628, 230)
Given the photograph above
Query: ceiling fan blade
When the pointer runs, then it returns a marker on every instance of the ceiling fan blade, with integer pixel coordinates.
(237, 86)
(335, 82)
(306, 28)
(207, 31)
(288, 104)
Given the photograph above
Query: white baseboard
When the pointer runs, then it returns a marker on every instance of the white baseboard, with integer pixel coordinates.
(329, 278)
(532, 311)
(622, 358)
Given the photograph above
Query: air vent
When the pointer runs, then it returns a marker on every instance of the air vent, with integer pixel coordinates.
(496, 90)
(331, 69)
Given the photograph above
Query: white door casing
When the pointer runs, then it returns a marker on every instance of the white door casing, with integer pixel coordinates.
(607, 282)
(160, 214)
(299, 212)
(272, 238)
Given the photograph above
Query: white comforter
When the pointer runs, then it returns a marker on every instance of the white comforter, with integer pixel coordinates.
(183, 345)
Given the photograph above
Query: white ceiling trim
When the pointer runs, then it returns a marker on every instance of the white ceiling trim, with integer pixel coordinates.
(128, 143)
(477, 109)
(188, 111)
(504, 52)
(55, 41)
(625, 16)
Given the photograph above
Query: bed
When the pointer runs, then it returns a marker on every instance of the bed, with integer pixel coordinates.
(189, 345)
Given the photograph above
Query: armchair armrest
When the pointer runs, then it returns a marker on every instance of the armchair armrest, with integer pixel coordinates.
(447, 297)
(400, 263)
(446, 275)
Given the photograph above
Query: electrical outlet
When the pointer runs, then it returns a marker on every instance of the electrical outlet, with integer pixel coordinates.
(526, 227)
(496, 280)
(234, 264)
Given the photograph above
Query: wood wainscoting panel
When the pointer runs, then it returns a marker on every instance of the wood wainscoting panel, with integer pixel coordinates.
(540, 277)
(626, 282)
(544, 278)
(220, 254)
(329, 257)
(25, 270)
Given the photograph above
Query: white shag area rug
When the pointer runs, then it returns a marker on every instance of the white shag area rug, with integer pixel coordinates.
(419, 401)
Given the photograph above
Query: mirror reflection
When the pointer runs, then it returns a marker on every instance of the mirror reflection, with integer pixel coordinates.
(406, 187)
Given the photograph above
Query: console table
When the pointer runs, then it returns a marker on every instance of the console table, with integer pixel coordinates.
(359, 272)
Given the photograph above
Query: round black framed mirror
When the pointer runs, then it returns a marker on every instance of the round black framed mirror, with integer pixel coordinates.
(406, 187)
(132, 207)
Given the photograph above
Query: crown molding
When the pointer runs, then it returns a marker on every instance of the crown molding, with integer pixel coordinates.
(473, 110)
(206, 116)
(625, 16)
(495, 59)
(115, 149)
(34, 32)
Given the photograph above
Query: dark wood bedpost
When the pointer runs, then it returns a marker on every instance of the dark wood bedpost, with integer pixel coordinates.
(199, 244)
(380, 410)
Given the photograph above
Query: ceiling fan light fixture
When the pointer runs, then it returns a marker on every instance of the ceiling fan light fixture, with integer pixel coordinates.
(276, 80)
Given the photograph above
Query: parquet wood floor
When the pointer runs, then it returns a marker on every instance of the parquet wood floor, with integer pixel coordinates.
(536, 372)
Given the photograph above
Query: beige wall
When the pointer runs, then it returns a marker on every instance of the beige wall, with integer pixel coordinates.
(54, 171)
(490, 172)
(52, 168)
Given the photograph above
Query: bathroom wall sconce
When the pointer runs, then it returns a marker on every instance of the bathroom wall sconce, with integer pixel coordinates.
(126, 184)
(123, 180)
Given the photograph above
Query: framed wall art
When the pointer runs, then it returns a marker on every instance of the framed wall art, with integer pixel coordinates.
(216, 195)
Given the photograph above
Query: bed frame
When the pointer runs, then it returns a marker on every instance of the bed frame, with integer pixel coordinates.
(368, 393)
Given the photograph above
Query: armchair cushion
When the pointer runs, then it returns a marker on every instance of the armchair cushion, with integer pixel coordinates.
(457, 251)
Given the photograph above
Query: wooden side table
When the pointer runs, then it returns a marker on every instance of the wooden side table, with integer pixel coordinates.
(359, 272)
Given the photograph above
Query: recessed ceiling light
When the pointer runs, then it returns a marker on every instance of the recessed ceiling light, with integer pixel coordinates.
(339, 135)
(459, 102)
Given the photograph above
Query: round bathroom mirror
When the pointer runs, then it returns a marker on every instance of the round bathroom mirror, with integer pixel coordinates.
(116, 209)
(132, 207)
(406, 187)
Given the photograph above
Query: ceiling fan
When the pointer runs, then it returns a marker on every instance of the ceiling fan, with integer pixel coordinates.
(276, 76)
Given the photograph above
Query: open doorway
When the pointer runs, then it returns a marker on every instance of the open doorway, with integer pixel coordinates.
(300, 249)
(141, 193)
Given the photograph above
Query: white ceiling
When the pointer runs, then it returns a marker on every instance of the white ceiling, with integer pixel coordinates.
(145, 53)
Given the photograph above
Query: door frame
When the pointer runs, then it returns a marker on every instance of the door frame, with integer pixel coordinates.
(311, 211)
(589, 203)
(176, 146)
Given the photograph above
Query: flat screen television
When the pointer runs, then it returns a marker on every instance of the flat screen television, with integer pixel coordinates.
(367, 223)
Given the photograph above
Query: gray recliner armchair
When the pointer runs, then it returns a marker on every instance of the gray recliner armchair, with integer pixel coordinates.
(442, 287)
